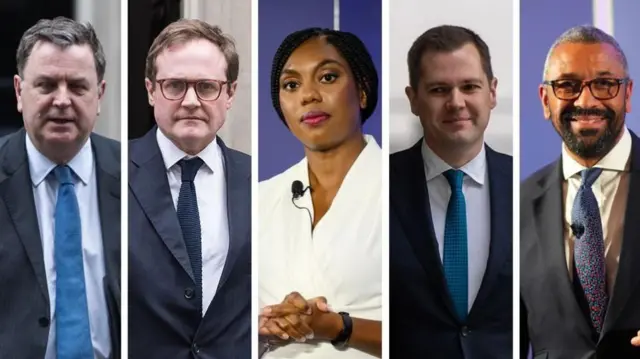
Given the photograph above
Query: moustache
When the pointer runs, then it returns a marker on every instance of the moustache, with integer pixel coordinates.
(572, 112)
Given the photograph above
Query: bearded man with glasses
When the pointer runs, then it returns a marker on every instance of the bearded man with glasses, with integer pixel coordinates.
(579, 227)
(189, 205)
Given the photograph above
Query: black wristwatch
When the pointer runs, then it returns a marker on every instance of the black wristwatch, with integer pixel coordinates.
(341, 341)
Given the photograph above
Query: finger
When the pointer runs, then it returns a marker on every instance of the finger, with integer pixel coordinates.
(281, 310)
(288, 329)
(272, 328)
(298, 300)
(300, 325)
(321, 304)
(636, 341)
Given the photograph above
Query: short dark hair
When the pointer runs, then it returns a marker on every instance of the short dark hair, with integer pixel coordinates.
(349, 46)
(62, 32)
(445, 38)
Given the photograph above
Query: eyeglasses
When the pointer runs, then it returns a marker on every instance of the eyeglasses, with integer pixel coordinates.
(176, 89)
(601, 88)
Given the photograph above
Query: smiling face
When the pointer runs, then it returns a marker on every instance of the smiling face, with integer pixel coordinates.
(319, 96)
(590, 121)
(453, 98)
(59, 98)
(190, 122)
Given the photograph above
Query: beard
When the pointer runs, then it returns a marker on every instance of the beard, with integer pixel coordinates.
(575, 141)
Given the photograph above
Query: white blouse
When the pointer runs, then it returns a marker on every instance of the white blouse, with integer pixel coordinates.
(341, 260)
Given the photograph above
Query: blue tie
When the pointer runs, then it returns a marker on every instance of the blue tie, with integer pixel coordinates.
(589, 247)
(73, 334)
(455, 245)
(189, 218)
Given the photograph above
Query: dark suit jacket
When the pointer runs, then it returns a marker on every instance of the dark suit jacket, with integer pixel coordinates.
(551, 318)
(24, 299)
(423, 320)
(163, 323)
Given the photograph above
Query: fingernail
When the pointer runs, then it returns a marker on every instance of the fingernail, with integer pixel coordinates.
(266, 310)
(302, 340)
(285, 336)
(310, 336)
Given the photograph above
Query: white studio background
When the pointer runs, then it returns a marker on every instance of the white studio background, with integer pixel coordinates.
(492, 20)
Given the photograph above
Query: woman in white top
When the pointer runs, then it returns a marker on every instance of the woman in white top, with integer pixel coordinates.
(320, 261)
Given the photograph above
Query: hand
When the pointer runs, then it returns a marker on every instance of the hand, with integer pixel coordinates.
(636, 341)
(300, 319)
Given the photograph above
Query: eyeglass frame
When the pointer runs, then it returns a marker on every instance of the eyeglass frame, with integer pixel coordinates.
(588, 83)
(191, 83)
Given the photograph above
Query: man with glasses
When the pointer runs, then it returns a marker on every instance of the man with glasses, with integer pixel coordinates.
(189, 205)
(580, 234)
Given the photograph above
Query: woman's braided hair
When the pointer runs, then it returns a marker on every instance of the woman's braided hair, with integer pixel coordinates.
(349, 46)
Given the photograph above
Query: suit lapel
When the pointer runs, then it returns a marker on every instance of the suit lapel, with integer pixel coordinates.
(17, 193)
(629, 265)
(150, 186)
(238, 210)
(410, 199)
(549, 217)
(500, 248)
(108, 181)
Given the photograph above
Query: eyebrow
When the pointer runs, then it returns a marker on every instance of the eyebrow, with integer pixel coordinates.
(442, 83)
(319, 65)
(573, 75)
(68, 79)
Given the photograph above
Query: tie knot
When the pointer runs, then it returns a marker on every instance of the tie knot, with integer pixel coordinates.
(190, 168)
(455, 178)
(63, 174)
(590, 175)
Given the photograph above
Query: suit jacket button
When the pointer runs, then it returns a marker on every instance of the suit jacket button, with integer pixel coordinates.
(465, 331)
(188, 293)
(195, 348)
(44, 322)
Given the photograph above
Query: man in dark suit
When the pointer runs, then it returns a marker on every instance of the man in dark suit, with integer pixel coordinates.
(59, 204)
(579, 242)
(450, 210)
(189, 206)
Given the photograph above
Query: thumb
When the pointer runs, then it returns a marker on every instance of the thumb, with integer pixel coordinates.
(321, 304)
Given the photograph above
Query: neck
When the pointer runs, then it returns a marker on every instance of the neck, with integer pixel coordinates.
(59, 154)
(455, 155)
(327, 169)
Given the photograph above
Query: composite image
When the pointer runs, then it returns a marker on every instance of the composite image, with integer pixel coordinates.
(349, 179)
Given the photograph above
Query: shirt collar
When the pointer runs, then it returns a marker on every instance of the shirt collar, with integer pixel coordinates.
(40, 166)
(368, 158)
(615, 160)
(171, 154)
(435, 166)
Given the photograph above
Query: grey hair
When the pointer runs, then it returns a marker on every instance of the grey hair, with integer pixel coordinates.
(586, 34)
(62, 32)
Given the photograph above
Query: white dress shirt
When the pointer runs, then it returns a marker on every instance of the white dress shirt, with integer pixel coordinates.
(611, 198)
(211, 193)
(340, 260)
(475, 187)
(45, 192)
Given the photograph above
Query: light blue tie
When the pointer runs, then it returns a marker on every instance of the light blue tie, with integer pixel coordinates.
(455, 260)
(73, 335)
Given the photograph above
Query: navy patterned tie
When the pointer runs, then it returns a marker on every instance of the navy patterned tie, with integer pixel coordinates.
(455, 260)
(73, 333)
(189, 218)
(589, 247)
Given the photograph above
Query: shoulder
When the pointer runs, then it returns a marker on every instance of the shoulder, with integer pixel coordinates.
(272, 190)
(102, 143)
(536, 180)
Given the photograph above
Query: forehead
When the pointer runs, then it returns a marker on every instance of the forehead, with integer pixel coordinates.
(584, 60)
(47, 59)
(310, 53)
(461, 64)
(195, 59)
